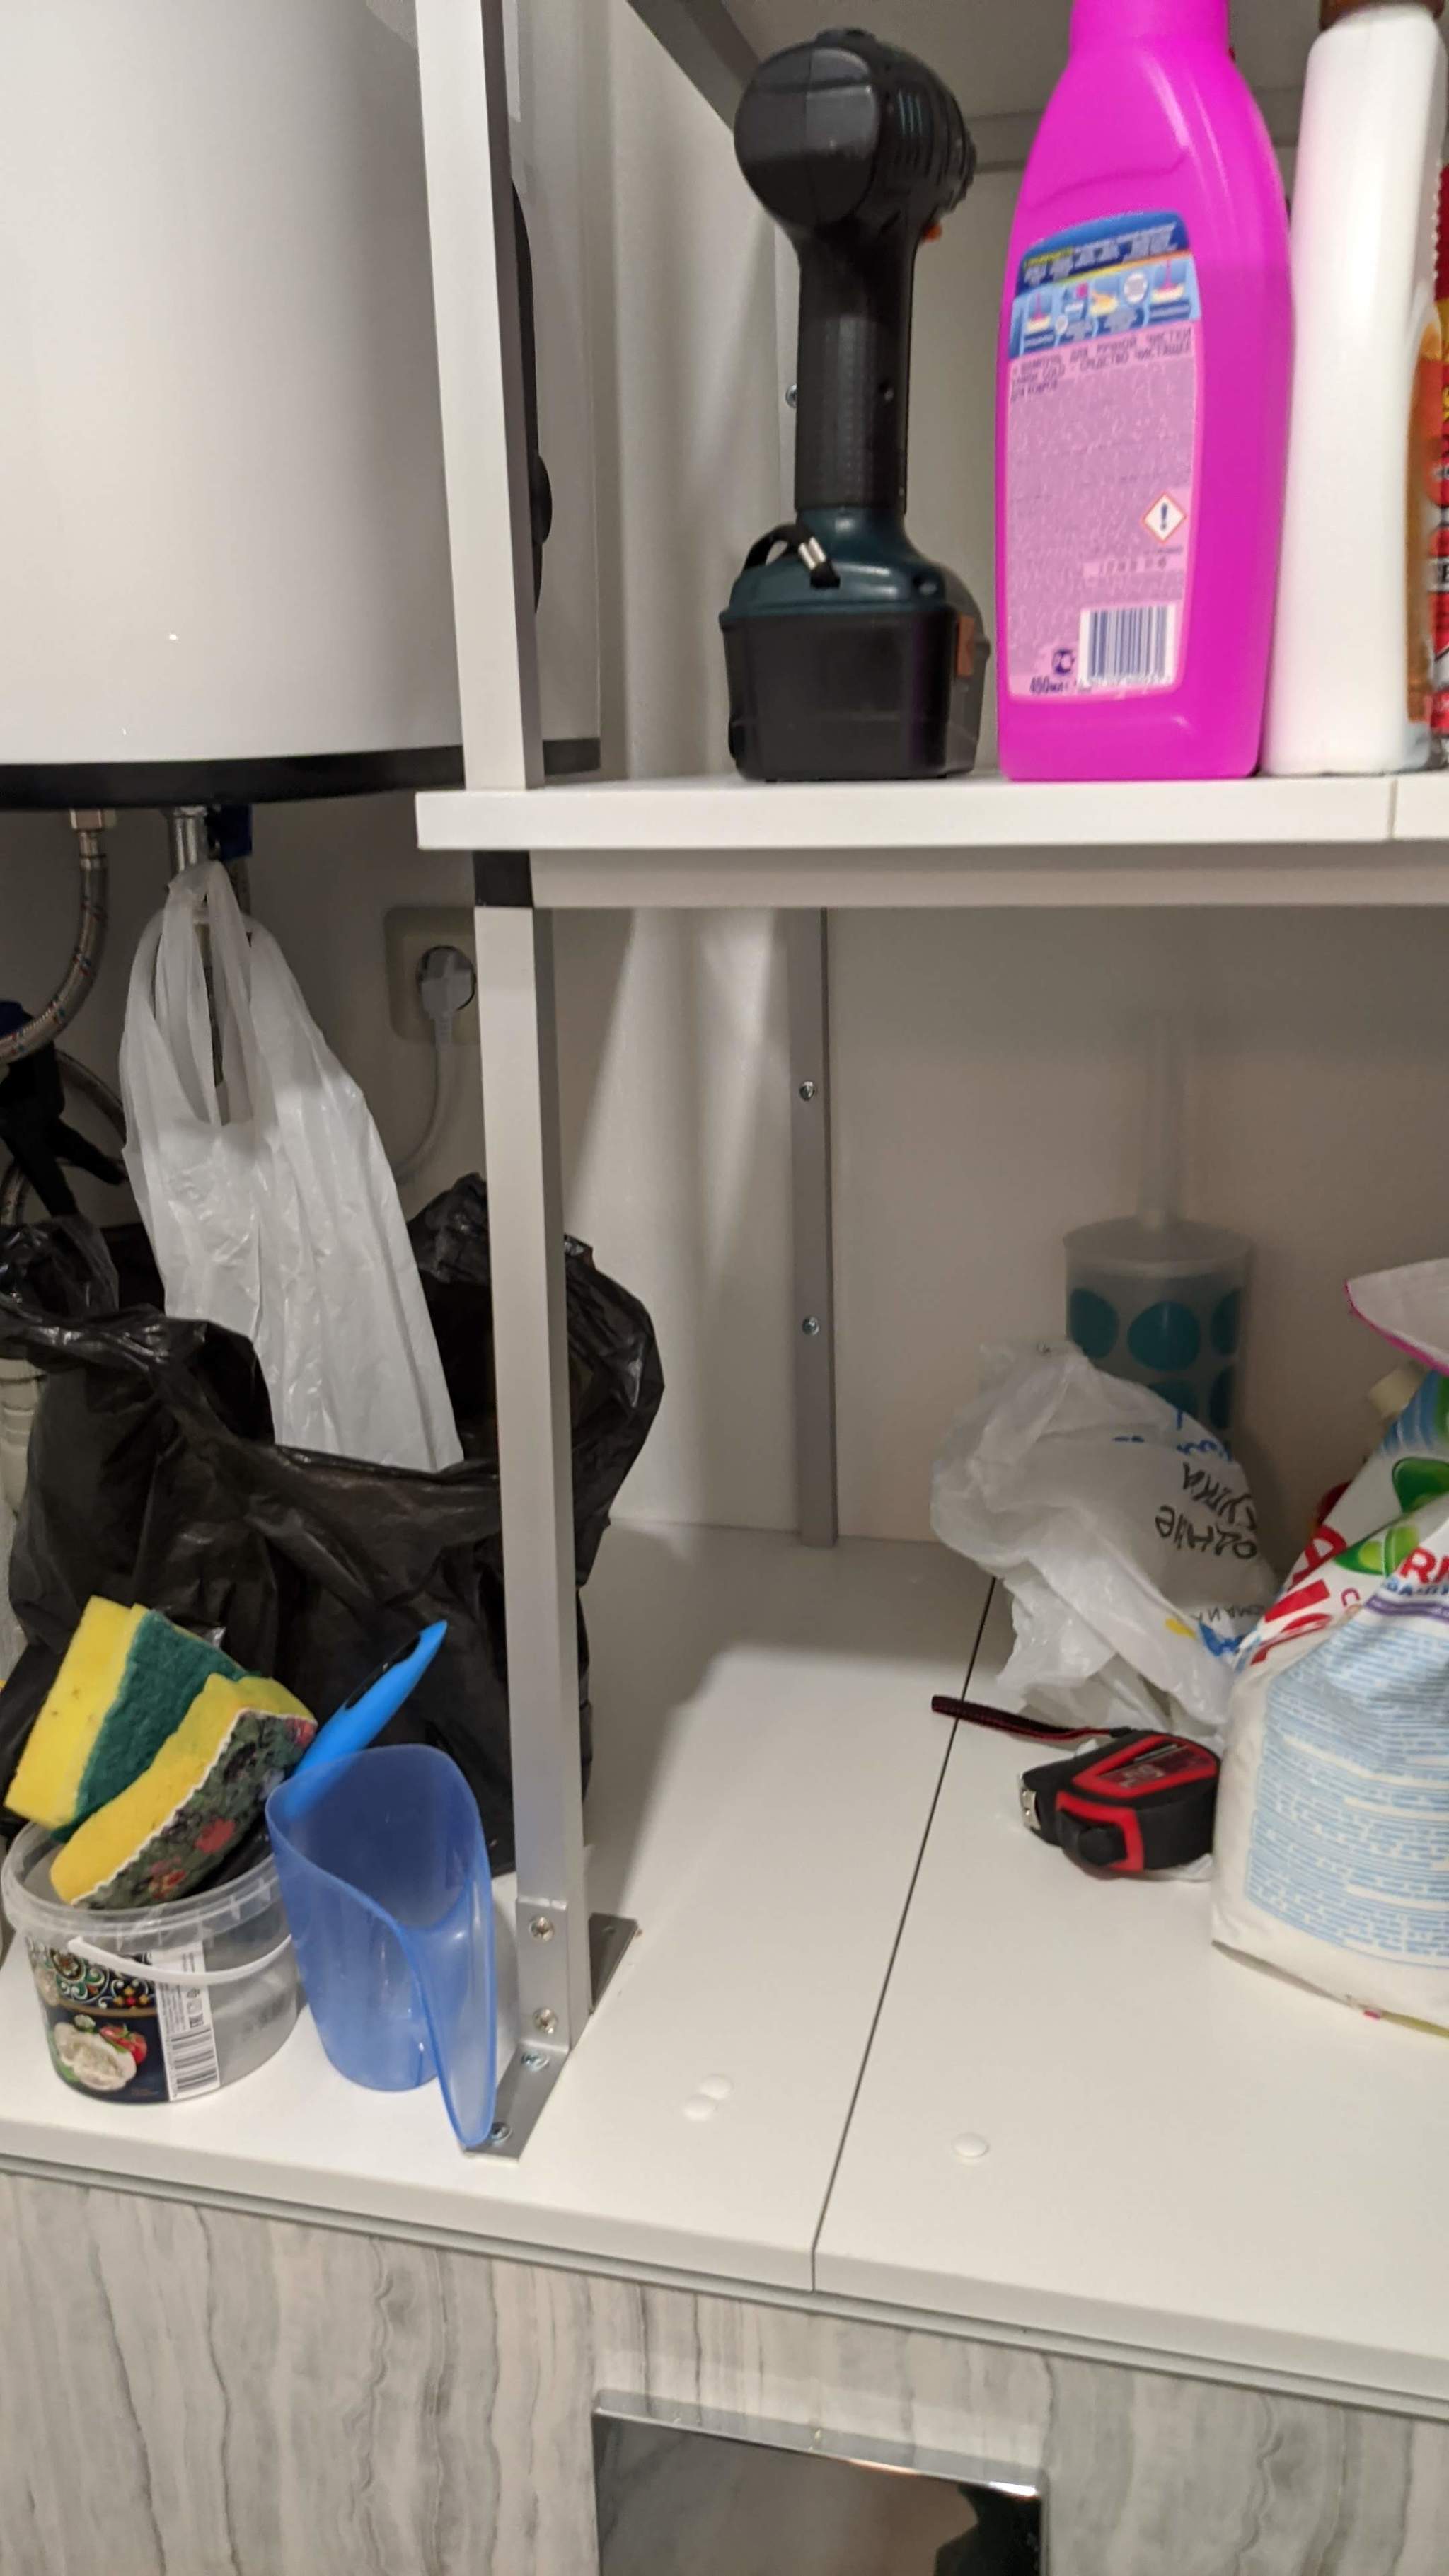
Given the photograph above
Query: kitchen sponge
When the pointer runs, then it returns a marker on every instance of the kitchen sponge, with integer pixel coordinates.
(205, 1789)
(126, 1683)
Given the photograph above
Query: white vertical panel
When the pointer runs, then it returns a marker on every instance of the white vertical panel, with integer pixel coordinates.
(470, 216)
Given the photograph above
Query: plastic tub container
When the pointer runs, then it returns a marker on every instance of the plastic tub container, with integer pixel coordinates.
(163, 2003)
(390, 1898)
(1156, 1298)
(1162, 1306)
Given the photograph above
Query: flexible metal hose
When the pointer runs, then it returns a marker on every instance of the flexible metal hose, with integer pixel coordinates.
(90, 942)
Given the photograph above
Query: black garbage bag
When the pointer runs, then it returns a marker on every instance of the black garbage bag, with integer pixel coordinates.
(63, 1266)
(154, 1478)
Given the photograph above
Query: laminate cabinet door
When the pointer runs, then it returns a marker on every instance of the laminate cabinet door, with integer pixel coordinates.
(194, 2391)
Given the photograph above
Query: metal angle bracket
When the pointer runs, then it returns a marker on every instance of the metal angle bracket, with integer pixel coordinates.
(539, 2059)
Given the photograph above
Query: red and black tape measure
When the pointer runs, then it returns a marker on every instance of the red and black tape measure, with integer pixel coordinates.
(1134, 1804)
(1123, 1804)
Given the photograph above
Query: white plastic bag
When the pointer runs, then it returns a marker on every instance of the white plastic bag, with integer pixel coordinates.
(1125, 1534)
(270, 1205)
(1409, 1307)
(1331, 1856)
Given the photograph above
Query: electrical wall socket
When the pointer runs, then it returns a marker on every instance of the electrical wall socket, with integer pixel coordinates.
(409, 934)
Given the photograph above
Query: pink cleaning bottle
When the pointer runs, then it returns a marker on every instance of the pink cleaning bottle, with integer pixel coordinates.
(1146, 353)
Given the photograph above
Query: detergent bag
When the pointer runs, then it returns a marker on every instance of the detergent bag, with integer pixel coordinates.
(1332, 1850)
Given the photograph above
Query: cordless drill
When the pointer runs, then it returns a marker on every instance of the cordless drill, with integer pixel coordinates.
(849, 654)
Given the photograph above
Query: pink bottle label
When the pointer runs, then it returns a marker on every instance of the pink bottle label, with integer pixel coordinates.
(1104, 362)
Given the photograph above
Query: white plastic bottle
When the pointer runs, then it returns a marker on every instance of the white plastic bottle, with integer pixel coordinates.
(1351, 674)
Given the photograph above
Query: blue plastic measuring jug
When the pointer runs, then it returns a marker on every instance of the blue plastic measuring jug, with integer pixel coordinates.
(385, 1878)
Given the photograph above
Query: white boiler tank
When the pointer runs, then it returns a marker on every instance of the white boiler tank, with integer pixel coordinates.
(223, 545)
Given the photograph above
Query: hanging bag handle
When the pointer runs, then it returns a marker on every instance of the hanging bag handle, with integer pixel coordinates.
(202, 925)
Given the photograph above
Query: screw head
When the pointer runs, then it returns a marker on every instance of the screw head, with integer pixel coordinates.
(546, 2021)
(541, 1928)
(807, 1090)
(533, 2060)
(811, 1327)
(792, 396)
(499, 2134)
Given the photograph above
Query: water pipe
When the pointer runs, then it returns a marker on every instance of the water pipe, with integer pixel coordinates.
(90, 825)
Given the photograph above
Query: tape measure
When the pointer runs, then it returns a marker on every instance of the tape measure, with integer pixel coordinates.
(1127, 1804)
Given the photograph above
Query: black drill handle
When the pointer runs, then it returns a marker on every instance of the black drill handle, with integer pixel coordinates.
(853, 372)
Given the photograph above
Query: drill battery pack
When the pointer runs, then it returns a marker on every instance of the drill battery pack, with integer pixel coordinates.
(850, 656)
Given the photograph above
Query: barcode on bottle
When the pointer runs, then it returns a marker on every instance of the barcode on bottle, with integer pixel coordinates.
(1128, 648)
(188, 2037)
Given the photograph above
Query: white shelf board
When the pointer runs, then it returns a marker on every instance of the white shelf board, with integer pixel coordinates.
(1188, 2158)
(986, 842)
(1421, 806)
(955, 815)
(765, 1769)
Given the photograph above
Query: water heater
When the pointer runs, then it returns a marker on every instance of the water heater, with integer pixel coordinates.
(222, 519)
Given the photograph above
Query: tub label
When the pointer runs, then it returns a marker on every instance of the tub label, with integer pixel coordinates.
(102, 2028)
(121, 2036)
(1104, 359)
(188, 2038)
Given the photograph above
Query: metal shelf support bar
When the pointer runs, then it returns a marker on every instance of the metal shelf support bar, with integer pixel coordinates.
(517, 1036)
(480, 373)
(807, 954)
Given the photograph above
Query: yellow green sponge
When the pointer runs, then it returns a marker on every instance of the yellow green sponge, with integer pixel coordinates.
(127, 1681)
(205, 1789)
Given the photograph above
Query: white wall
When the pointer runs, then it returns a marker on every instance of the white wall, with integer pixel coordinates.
(985, 1065)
